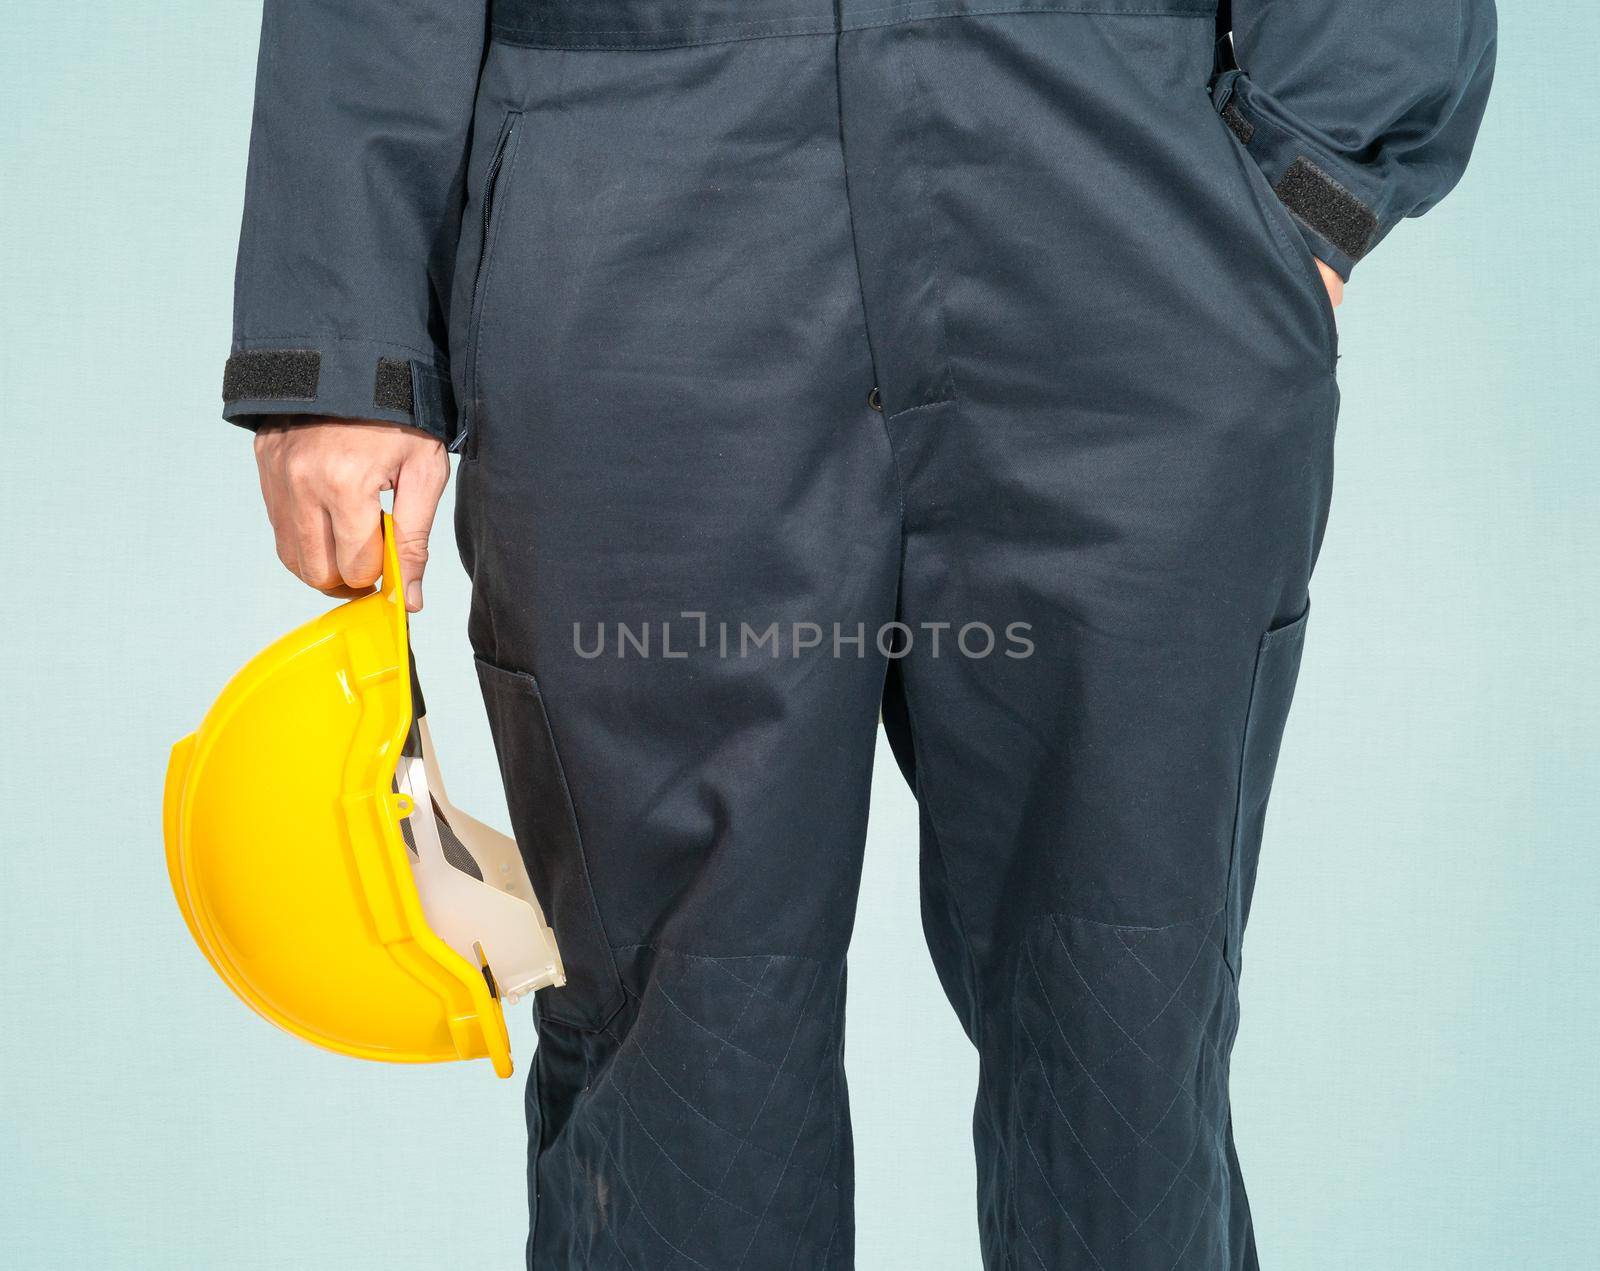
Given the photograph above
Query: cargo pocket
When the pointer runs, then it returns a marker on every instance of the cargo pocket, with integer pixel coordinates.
(546, 830)
(1271, 691)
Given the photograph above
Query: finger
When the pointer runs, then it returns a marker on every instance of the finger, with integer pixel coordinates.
(357, 540)
(1334, 284)
(280, 509)
(314, 553)
(418, 485)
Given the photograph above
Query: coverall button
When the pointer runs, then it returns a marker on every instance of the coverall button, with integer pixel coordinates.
(875, 399)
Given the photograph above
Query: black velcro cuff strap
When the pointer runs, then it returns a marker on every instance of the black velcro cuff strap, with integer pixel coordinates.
(391, 388)
(272, 375)
(340, 379)
(1327, 207)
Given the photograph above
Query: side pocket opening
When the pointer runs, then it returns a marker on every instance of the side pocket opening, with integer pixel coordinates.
(495, 186)
(1271, 692)
(1285, 230)
(546, 829)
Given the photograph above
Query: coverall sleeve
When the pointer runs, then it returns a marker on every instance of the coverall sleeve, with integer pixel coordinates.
(1359, 112)
(353, 198)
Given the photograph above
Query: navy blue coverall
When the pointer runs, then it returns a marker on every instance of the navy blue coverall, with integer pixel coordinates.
(963, 361)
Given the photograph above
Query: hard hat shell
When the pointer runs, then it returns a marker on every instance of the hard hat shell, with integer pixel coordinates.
(286, 855)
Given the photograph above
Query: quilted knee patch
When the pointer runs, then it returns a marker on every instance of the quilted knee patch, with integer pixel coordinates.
(715, 1138)
(1117, 1115)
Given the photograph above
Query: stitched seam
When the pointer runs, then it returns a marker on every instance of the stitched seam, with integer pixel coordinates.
(1008, 10)
(616, 992)
(1033, 1248)
(1133, 1041)
(1099, 1089)
(827, 1173)
(838, 1214)
(616, 1243)
(912, 410)
(828, 1071)
(866, 322)
(667, 1156)
(637, 1049)
(1199, 1221)
(1102, 1064)
(1238, 818)
(687, 1103)
(1133, 926)
(622, 1177)
(499, 190)
(979, 1015)
(1027, 1140)
(1067, 1121)
(1012, 1211)
(1144, 1139)
(327, 337)
(715, 957)
(1171, 1187)
(804, 26)
(743, 1138)
(938, 844)
(553, 41)
(586, 40)
(534, 1093)
(911, 85)
(1216, 1050)
(1177, 10)
(1181, 1172)
(800, 1126)
(709, 1032)
(722, 961)
(908, 10)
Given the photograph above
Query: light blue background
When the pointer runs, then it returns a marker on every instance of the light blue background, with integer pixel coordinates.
(1416, 1078)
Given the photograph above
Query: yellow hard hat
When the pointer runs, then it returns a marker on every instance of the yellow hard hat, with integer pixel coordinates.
(320, 867)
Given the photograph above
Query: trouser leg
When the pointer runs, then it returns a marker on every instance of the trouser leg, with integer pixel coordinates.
(1114, 425)
(1106, 371)
(675, 462)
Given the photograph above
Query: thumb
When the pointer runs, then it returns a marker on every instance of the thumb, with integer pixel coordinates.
(417, 488)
